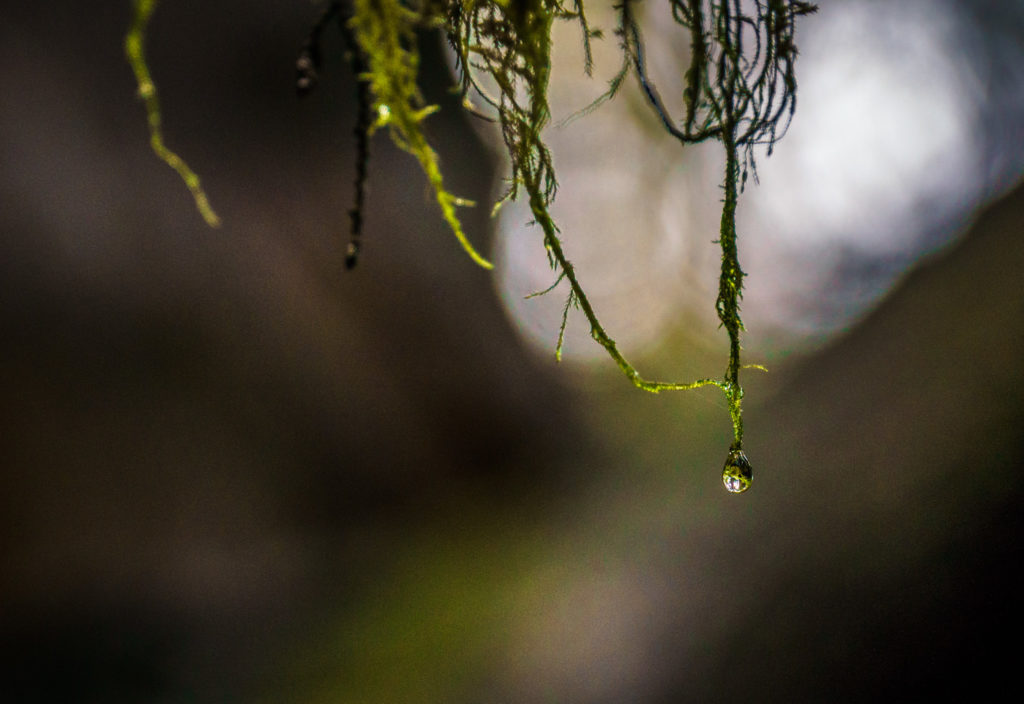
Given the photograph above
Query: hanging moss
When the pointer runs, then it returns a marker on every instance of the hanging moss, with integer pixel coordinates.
(739, 88)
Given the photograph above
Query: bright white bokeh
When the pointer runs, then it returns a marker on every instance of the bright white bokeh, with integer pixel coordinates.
(880, 165)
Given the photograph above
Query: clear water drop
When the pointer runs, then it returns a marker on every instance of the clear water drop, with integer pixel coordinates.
(737, 474)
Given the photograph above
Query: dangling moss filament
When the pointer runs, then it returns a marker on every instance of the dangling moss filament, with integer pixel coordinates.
(134, 49)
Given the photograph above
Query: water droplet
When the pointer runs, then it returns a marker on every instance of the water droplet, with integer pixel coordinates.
(738, 473)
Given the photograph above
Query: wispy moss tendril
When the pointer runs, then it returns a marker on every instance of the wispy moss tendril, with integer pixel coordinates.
(134, 48)
(739, 88)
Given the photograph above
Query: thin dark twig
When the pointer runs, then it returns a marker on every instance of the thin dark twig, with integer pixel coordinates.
(364, 101)
(307, 66)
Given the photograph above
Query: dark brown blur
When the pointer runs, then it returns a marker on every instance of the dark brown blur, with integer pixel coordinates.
(232, 471)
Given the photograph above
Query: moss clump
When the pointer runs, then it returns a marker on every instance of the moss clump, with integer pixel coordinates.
(739, 88)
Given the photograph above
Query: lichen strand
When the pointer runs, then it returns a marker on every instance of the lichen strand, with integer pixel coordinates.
(134, 48)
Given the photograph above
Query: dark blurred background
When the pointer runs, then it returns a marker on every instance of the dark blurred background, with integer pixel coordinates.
(232, 471)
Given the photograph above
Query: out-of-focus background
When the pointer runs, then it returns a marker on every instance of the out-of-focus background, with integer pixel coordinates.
(232, 471)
